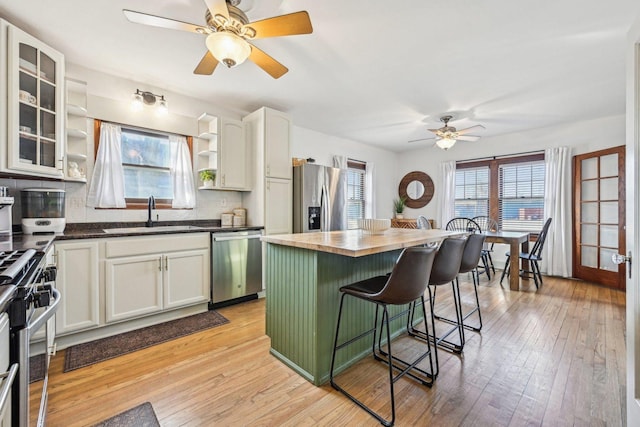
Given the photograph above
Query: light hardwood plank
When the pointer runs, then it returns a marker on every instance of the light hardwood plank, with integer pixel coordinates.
(555, 356)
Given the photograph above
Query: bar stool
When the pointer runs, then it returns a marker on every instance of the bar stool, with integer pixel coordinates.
(407, 282)
(469, 225)
(446, 266)
(469, 264)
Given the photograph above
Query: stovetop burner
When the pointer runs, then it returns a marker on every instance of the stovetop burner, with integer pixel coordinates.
(16, 266)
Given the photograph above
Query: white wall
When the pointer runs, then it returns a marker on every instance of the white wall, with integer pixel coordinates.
(321, 147)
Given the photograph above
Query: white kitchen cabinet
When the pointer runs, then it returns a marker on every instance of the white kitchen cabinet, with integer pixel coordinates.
(233, 168)
(5, 411)
(269, 204)
(78, 280)
(277, 144)
(35, 106)
(222, 148)
(146, 275)
(133, 287)
(278, 214)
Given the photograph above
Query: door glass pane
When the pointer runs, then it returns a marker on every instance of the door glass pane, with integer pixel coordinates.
(609, 165)
(609, 212)
(28, 58)
(609, 236)
(589, 257)
(589, 212)
(609, 189)
(589, 234)
(47, 68)
(590, 190)
(28, 146)
(590, 168)
(605, 260)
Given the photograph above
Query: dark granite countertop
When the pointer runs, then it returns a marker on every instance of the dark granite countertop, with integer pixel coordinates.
(96, 229)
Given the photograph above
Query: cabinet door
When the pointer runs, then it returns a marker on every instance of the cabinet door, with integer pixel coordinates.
(186, 278)
(78, 282)
(233, 152)
(133, 286)
(34, 105)
(277, 144)
(278, 206)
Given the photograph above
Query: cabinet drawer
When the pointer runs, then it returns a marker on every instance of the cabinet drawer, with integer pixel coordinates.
(128, 246)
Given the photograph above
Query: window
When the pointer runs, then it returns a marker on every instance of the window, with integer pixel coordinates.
(521, 196)
(152, 162)
(472, 192)
(146, 159)
(355, 192)
(509, 189)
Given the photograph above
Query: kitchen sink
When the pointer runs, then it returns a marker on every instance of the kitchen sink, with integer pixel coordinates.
(151, 229)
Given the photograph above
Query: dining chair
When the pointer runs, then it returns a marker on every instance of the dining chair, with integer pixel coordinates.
(406, 283)
(423, 223)
(534, 257)
(469, 225)
(487, 224)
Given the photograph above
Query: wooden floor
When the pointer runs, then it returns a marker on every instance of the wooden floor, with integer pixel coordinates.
(551, 357)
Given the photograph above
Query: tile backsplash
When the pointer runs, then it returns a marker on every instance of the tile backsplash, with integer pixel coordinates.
(210, 204)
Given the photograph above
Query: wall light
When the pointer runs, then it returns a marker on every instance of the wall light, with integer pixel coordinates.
(141, 98)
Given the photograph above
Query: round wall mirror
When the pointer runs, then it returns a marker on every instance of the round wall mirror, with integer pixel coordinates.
(417, 189)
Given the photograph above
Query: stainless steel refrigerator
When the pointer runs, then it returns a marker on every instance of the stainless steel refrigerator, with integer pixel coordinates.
(319, 198)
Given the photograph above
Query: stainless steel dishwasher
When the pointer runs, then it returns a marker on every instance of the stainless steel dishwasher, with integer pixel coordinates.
(236, 266)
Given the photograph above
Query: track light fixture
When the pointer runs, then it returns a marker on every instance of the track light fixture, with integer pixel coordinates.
(141, 98)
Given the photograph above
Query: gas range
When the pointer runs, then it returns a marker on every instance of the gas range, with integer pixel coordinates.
(32, 304)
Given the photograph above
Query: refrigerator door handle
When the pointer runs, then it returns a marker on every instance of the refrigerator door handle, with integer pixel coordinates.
(326, 211)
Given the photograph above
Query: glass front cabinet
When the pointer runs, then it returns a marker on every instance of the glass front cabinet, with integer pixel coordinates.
(35, 107)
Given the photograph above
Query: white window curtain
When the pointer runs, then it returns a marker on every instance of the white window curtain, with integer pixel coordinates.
(340, 162)
(369, 194)
(184, 193)
(106, 189)
(447, 193)
(556, 255)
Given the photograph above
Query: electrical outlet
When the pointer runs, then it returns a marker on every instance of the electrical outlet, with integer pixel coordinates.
(223, 202)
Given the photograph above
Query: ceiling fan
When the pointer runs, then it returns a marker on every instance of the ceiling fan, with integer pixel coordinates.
(229, 31)
(447, 135)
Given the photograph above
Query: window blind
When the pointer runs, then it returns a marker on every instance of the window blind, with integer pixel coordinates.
(472, 192)
(521, 196)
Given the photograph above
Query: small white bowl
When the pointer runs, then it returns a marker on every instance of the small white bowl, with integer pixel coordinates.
(374, 226)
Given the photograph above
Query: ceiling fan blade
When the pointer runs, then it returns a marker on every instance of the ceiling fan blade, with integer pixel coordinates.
(267, 63)
(283, 25)
(467, 138)
(207, 64)
(434, 131)
(472, 128)
(422, 139)
(218, 7)
(158, 21)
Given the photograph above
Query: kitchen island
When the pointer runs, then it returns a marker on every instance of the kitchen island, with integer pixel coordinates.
(304, 273)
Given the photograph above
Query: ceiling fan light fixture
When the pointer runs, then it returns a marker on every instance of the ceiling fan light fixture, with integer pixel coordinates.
(228, 48)
(445, 143)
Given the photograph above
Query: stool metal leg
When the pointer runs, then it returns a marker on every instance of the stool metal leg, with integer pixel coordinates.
(475, 275)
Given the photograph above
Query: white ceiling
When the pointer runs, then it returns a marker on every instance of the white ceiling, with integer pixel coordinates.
(378, 72)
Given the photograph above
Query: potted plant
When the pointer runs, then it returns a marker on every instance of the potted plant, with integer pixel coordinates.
(207, 177)
(398, 206)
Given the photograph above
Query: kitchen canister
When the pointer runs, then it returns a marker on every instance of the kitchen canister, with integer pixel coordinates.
(239, 221)
(240, 212)
(226, 220)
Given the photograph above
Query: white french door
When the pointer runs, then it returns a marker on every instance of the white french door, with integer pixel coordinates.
(633, 223)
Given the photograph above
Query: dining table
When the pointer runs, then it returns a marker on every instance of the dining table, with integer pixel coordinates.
(518, 241)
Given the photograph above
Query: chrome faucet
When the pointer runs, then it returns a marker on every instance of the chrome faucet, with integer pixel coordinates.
(151, 204)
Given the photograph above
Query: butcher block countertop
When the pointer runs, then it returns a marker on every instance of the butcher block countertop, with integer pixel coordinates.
(356, 243)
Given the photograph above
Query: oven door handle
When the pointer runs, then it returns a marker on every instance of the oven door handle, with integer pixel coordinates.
(8, 378)
(39, 321)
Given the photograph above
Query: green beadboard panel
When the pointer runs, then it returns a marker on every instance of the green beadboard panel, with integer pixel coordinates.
(302, 293)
